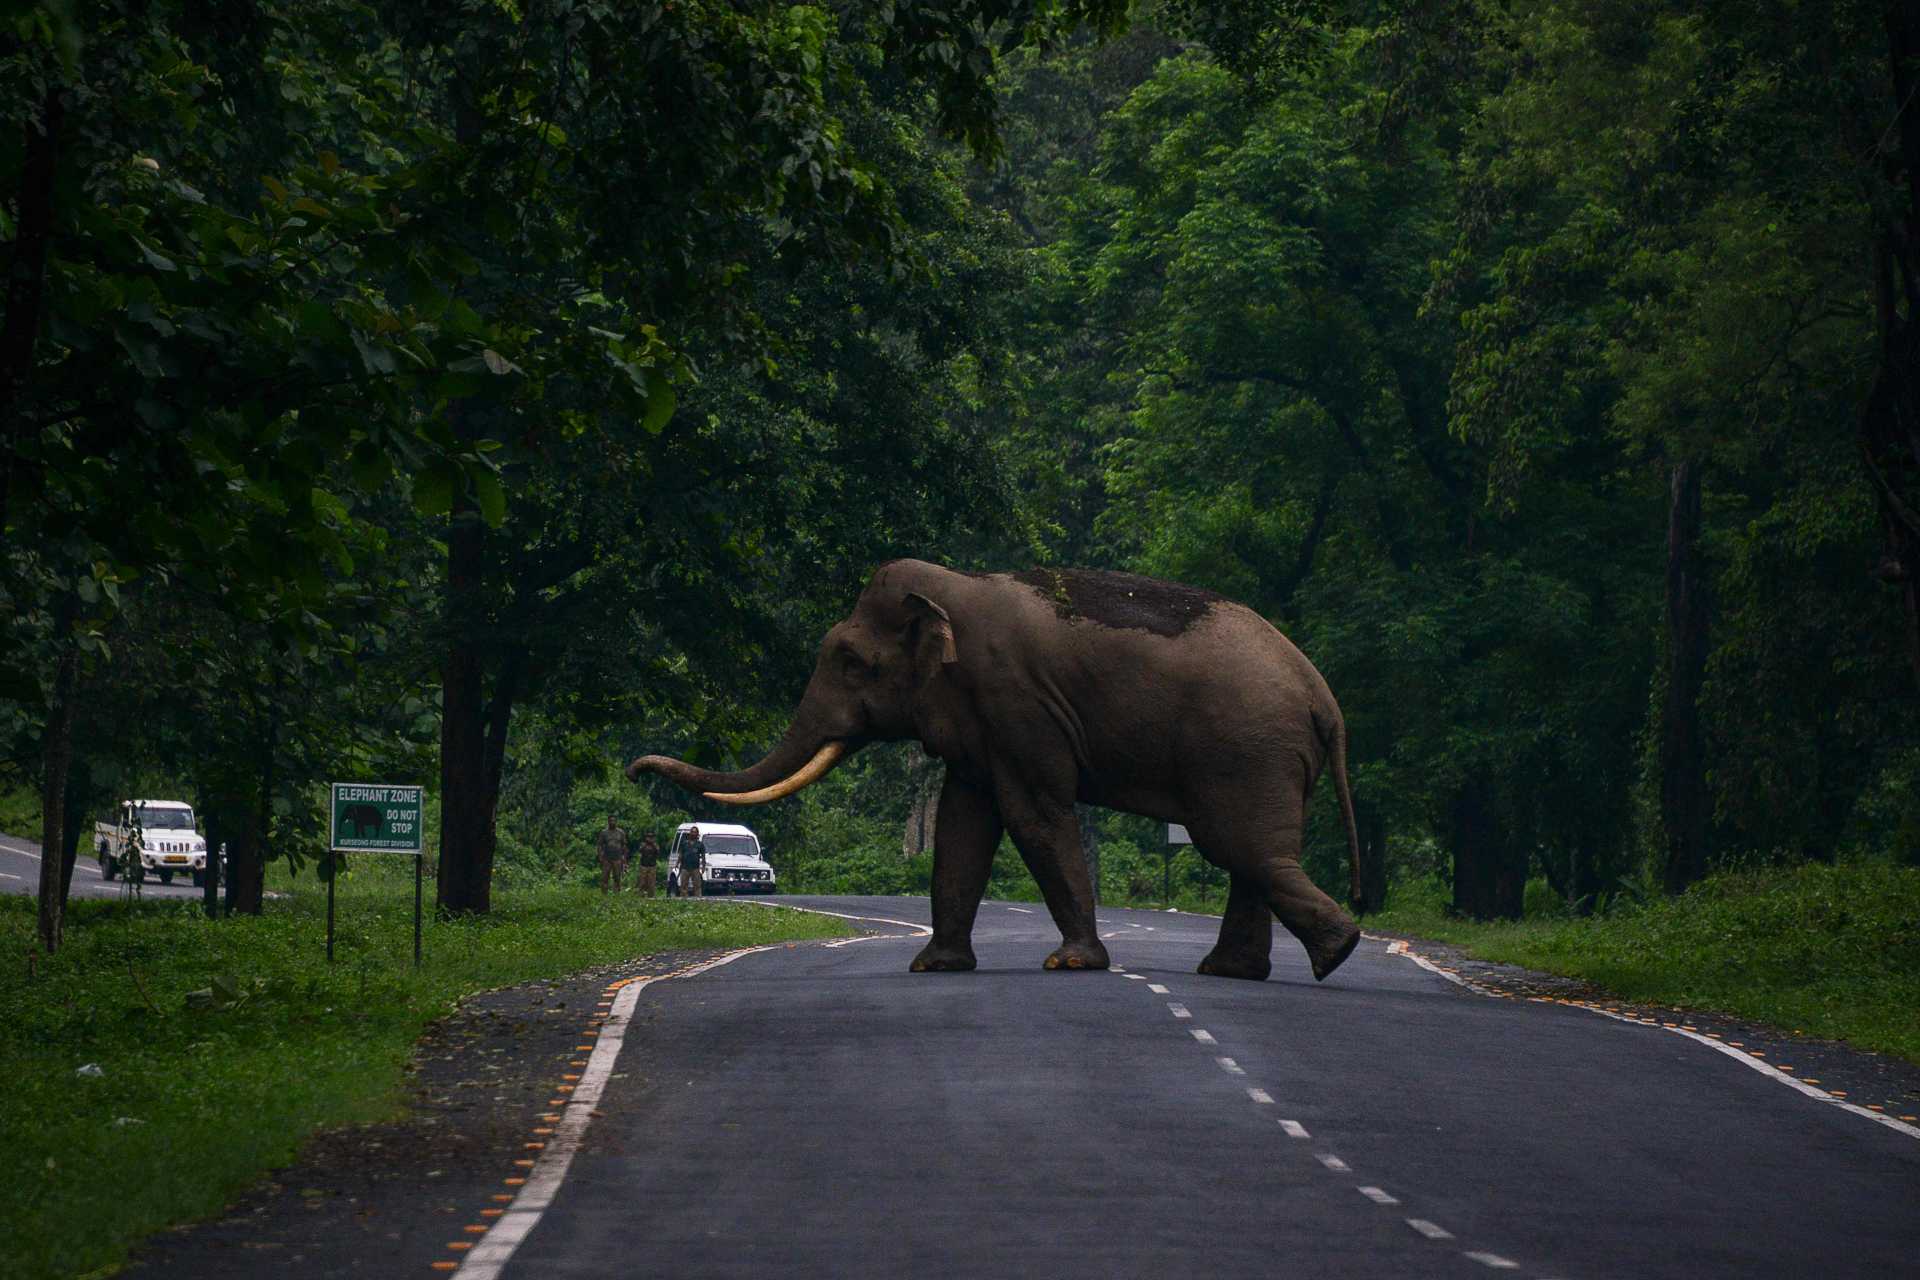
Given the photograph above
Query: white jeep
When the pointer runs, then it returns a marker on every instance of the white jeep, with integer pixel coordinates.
(734, 860)
(155, 836)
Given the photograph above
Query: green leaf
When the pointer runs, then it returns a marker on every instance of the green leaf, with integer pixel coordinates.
(660, 402)
(490, 495)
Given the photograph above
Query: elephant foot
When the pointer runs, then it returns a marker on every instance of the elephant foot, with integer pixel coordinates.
(1221, 963)
(1078, 955)
(1325, 962)
(934, 958)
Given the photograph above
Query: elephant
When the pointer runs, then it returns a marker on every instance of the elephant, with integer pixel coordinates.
(1050, 686)
(361, 817)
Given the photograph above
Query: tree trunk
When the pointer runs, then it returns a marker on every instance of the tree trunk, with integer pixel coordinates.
(1889, 430)
(1488, 882)
(26, 280)
(79, 798)
(1372, 823)
(1684, 801)
(1585, 889)
(56, 757)
(466, 801)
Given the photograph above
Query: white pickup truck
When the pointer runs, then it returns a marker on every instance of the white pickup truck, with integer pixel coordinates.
(150, 835)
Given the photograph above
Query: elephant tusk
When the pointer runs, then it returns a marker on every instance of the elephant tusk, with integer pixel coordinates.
(805, 776)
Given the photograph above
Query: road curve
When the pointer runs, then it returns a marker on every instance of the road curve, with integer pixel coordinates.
(20, 873)
(820, 1111)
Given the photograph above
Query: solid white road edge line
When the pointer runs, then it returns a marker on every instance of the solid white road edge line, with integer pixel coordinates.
(925, 931)
(1397, 946)
(491, 1252)
(25, 853)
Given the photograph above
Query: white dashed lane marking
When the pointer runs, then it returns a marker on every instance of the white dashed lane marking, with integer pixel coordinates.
(1025, 911)
(1294, 1129)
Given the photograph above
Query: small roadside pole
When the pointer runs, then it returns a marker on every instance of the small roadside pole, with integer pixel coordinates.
(1176, 834)
(381, 818)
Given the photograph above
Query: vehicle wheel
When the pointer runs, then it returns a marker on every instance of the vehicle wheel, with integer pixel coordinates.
(166, 876)
(199, 879)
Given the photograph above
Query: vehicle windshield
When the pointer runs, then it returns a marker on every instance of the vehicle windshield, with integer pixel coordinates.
(729, 844)
(166, 819)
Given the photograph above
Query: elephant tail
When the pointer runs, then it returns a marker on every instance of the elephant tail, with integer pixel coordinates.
(1334, 733)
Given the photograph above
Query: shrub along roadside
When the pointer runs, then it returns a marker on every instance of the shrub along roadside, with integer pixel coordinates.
(198, 1094)
(1833, 951)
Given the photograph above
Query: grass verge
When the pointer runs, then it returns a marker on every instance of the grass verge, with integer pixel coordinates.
(1829, 951)
(195, 1098)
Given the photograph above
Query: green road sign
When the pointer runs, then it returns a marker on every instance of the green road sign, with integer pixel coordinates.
(371, 817)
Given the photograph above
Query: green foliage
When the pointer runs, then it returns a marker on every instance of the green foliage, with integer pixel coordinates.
(223, 1045)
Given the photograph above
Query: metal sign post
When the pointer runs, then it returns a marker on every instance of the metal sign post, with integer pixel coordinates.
(376, 817)
(1176, 834)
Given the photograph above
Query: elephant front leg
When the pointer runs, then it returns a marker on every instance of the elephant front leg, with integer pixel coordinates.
(966, 832)
(1047, 834)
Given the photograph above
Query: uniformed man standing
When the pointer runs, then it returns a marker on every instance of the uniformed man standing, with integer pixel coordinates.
(648, 855)
(613, 854)
(693, 857)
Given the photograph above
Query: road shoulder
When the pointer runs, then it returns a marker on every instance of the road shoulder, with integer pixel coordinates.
(1875, 1082)
(390, 1198)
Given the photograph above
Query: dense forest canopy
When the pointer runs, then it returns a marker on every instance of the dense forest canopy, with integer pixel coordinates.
(476, 393)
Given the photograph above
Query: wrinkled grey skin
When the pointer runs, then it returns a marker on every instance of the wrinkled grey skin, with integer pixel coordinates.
(1047, 687)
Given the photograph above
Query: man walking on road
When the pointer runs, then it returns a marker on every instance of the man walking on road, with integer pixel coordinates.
(648, 855)
(613, 854)
(693, 856)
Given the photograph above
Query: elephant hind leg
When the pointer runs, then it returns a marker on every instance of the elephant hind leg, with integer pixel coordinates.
(1245, 948)
(1260, 847)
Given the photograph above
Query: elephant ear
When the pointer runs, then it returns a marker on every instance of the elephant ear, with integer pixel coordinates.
(929, 633)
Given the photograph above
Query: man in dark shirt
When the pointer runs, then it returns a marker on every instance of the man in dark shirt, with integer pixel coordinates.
(648, 855)
(693, 856)
(613, 854)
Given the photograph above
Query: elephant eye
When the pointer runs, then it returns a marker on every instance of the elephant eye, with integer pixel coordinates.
(852, 665)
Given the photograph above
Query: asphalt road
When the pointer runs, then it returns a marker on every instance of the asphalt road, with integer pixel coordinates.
(20, 873)
(820, 1111)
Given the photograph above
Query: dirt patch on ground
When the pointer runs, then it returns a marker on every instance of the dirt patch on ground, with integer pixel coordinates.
(1886, 1085)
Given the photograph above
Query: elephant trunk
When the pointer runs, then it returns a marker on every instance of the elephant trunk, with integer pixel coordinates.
(802, 757)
